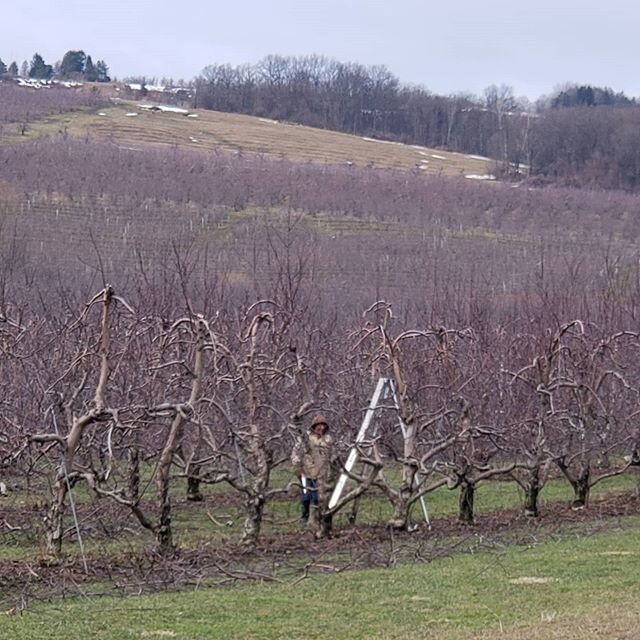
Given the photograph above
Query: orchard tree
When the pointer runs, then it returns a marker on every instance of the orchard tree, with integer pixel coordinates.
(78, 407)
(594, 398)
(533, 361)
(428, 368)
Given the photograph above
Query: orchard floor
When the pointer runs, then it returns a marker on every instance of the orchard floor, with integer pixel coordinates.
(124, 567)
(580, 579)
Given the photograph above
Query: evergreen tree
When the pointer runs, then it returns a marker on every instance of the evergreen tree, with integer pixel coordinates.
(102, 71)
(39, 70)
(588, 96)
(24, 69)
(13, 69)
(3, 68)
(585, 97)
(72, 65)
(90, 71)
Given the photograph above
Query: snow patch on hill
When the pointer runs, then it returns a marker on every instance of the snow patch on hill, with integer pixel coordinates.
(164, 108)
(475, 176)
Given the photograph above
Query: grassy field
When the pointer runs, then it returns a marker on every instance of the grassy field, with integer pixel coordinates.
(569, 588)
(213, 130)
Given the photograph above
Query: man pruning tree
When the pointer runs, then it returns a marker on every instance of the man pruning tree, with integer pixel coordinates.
(313, 462)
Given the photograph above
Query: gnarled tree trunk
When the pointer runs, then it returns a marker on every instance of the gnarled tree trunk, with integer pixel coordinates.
(401, 501)
(254, 510)
(54, 519)
(193, 487)
(261, 459)
(581, 488)
(163, 531)
(532, 487)
(580, 481)
(254, 505)
(133, 474)
(465, 503)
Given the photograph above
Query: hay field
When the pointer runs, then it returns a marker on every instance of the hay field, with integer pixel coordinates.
(213, 130)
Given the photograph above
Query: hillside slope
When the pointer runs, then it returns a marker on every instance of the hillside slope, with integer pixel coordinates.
(212, 130)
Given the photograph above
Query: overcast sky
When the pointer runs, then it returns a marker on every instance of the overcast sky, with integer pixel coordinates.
(447, 46)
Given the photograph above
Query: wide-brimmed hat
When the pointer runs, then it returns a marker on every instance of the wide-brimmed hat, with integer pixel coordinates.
(319, 419)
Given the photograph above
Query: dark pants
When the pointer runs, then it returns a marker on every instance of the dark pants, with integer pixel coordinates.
(308, 497)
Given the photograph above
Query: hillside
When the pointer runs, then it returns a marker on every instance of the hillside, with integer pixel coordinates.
(214, 131)
(126, 181)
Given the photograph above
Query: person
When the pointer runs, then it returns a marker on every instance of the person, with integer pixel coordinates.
(313, 462)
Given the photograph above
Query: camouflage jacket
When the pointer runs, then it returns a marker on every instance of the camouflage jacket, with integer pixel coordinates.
(314, 456)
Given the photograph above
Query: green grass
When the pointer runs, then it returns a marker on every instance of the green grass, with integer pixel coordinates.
(493, 496)
(450, 598)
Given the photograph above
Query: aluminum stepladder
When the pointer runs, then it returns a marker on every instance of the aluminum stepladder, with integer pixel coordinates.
(385, 388)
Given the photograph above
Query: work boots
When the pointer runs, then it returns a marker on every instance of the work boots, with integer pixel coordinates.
(314, 519)
(304, 516)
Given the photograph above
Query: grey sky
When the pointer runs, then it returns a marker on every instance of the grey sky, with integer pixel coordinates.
(444, 45)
